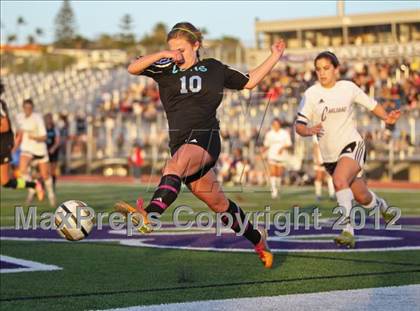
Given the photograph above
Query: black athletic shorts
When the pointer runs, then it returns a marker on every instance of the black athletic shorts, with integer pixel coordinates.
(355, 150)
(209, 140)
(6, 146)
(53, 156)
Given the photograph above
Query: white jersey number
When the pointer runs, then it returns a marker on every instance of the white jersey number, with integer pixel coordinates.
(194, 84)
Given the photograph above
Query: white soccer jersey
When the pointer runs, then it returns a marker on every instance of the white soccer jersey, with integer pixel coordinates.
(32, 125)
(334, 108)
(275, 141)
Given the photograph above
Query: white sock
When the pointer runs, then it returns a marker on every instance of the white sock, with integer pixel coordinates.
(273, 185)
(318, 188)
(330, 184)
(30, 196)
(49, 187)
(344, 199)
(278, 182)
(372, 203)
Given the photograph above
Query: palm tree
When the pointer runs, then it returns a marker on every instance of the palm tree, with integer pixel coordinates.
(204, 31)
(156, 39)
(19, 22)
(11, 38)
(39, 32)
(30, 39)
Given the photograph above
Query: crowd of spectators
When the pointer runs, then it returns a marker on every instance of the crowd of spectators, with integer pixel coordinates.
(123, 118)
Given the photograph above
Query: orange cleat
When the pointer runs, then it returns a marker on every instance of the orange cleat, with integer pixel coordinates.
(264, 251)
(138, 215)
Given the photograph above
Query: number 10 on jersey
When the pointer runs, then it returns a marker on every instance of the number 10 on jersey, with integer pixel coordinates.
(193, 84)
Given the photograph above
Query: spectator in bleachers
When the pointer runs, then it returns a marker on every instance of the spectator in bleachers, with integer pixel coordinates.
(257, 172)
(224, 168)
(136, 160)
(238, 168)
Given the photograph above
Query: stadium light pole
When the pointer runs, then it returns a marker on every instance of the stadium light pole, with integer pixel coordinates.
(344, 20)
(340, 8)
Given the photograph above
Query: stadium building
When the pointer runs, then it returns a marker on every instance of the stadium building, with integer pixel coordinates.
(387, 34)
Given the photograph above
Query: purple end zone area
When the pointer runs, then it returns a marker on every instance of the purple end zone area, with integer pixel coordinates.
(389, 239)
(299, 240)
(9, 265)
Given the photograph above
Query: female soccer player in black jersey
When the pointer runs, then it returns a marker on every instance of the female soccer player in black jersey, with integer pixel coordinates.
(191, 89)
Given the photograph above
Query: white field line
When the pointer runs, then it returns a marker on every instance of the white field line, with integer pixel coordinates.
(383, 298)
(29, 265)
(140, 243)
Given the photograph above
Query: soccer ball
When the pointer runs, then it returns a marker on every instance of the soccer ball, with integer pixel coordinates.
(73, 229)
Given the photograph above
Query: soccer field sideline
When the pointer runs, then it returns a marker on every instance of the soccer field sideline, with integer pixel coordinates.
(383, 298)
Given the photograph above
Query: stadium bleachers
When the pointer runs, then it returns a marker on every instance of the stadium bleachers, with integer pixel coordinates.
(108, 110)
(68, 91)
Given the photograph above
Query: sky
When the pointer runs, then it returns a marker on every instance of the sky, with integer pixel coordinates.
(233, 18)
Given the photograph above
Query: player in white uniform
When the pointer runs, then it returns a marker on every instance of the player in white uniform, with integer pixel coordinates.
(326, 110)
(31, 136)
(276, 143)
(6, 147)
(320, 173)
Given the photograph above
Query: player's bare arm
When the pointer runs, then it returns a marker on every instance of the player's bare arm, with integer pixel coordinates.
(18, 141)
(257, 74)
(56, 144)
(140, 64)
(4, 125)
(304, 130)
(388, 117)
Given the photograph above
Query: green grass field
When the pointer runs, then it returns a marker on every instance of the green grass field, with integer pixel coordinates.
(101, 275)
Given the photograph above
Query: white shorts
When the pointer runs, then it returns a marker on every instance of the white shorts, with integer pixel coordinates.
(355, 150)
(36, 158)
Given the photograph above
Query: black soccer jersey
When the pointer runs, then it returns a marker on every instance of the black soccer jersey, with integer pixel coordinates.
(191, 97)
(4, 113)
(52, 133)
(6, 138)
